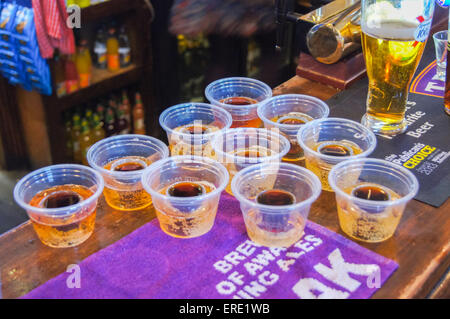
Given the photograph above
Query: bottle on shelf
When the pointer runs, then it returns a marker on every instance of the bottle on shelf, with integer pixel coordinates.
(84, 64)
(76, 133)
(68, 136)
(112, 50)
(123, 126)
(100, 111)
(59, 75)
(98, 132)
(89, 116)
(124, 48)
(126, 106)
(85, 140)
(72, 81)
(100, 49)
(110, 122)
(138, 116)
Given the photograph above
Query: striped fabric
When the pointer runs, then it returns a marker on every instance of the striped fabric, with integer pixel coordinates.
(51, 28)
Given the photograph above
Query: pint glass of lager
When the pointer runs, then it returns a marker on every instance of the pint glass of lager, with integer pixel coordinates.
(394, 34)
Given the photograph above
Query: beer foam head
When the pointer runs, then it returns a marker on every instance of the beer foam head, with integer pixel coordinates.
(383, 20)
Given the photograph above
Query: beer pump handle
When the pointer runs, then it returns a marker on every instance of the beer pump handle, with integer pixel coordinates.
(283, 16)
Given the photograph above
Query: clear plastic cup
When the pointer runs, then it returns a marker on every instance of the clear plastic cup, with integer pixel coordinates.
(191, 126)
(371, 195)
(61, 201)
(327, 142)
(239, 148)
(121, 160)
(263, 191)
(288, 113)
(440, 44)
(186, 192)
(244, 91)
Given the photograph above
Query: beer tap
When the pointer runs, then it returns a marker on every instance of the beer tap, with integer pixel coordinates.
(334, 38)
(283, 16)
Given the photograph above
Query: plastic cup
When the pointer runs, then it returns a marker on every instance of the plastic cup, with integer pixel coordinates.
(440, 44)
(288, 113)
(121, 160)
(239, 148)
(185, 217)
(270, 225)
(318, 137)
(191, 126)
(371, 220)
(238, 87)
(45, 194)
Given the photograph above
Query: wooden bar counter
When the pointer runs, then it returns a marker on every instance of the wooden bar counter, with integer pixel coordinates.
(421, 244)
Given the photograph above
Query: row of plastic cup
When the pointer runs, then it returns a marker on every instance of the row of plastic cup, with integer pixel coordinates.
(186, 217)
(275, 197)
(179, 121)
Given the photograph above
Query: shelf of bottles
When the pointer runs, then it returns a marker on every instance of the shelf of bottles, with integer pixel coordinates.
(109, 56)
(97, 88)
(120, 112)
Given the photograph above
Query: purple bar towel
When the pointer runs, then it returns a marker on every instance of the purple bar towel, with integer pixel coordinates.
(223, 264)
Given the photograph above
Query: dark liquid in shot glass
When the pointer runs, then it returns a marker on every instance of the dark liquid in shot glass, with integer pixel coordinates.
(371, 193)
(129, 167)
(61, 199)
(239, 100)
(292, 121)
(275, 197)
(335, 150)
(196, 129)
(185, 189)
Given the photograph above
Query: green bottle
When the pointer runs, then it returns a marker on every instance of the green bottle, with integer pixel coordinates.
(76, 133)
(85, 140)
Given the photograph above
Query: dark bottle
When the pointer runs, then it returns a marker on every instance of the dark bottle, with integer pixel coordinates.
(110, 123)
(124, 48)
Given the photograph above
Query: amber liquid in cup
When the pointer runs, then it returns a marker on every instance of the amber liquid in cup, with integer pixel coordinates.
(369, 226)
(63, 232)
(338, 149)
(242, 101)
(295, 153)
(197, 220)
(180, 146)
(274, 230)
(255, 151)
(122, 198)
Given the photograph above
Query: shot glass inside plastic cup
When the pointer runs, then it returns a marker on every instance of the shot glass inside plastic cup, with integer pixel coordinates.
(239, 148)
(440, 44)
(241, 92)
(185, 192)
(274, 223)
(288, 113)
(61, 201)
(191, 126)
(371, 195)
(121, 160)
(327, 142)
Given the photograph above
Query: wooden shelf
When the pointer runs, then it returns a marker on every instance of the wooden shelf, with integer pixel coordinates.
(103, 82)
(107, 9)
(135, 15)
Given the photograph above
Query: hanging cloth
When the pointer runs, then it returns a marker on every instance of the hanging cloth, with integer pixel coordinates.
(51, 27)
